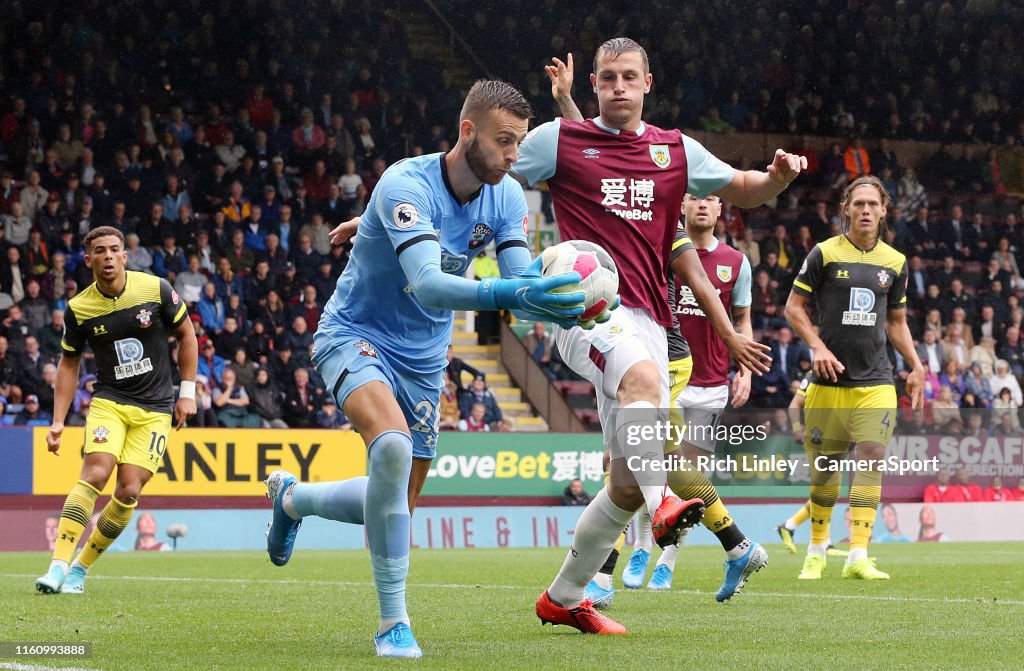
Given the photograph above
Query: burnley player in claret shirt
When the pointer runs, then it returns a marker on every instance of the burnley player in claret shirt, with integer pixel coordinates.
(619, 182)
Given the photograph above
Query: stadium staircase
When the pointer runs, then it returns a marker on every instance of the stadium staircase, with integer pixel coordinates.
(487, 359)
(432, 38)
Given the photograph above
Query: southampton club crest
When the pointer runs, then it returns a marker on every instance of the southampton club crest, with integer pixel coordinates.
(365, 348)
(479, 235)
(724, 273)
(145, 318)
(99, 434)
(883, 279)
(660, 155)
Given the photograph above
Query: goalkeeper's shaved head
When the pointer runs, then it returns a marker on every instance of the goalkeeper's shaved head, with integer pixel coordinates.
(491, 94)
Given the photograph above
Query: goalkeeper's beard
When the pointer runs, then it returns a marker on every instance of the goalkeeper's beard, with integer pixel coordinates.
(478, 165)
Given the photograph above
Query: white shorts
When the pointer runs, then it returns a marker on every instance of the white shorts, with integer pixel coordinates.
(702, 411)
(603, 354)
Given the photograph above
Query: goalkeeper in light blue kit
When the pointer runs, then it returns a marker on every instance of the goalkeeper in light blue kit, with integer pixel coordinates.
(382, 339)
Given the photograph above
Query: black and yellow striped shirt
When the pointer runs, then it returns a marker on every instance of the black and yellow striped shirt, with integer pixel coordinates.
(678, 347)
(128, 334)
(853, 290)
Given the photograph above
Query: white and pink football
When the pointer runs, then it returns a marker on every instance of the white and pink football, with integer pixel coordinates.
(600, 279)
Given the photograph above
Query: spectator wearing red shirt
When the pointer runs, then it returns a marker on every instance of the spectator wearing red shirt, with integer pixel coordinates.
(943, 492)
(972, 492)
(261, 108)
(214, 126)
(997, 492)
(733, 221)
(813, 163)
(318, 184)
(1018, 493)
(307, 138)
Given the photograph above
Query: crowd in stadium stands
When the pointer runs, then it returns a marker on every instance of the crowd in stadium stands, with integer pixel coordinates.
(962, 490)
(226, 141)
(906, 70)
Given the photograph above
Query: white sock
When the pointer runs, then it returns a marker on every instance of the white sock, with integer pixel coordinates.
(61, 564)
(644, 535)
(387, 624)
(288, 503)
(739, 550)
(669, 554)
(603, 580)
(817, 549)
(596, 532)
(789, 525)
(856, 554)
(653, 496)
(634, 423)
(78, 564)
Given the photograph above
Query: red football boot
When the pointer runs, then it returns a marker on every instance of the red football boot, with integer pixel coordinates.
(582, 617)
(674, 515)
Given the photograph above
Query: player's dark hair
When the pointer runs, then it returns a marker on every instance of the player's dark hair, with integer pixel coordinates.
(492, 94)
(866, 180)
(99, 232)
(618, 46)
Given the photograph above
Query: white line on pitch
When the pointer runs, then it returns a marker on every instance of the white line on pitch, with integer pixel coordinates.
(344, 583)
(352, 583)
(16, 666)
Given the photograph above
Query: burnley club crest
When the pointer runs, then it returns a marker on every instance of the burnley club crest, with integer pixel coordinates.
(660, 155)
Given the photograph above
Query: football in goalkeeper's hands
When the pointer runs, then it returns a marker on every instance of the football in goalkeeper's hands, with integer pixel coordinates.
(599, 279)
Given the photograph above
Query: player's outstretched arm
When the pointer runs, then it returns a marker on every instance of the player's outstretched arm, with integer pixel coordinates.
(64, 392)
(899, 335)
(188, 364)
(749, 354)
(826, 365)
(741, 381)
(750, 188)
(539, 297)
(344, 231)
(561, 76)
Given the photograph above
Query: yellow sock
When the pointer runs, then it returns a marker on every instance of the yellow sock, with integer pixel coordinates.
(74, 518)
(865, 493)
(716, 516)
(800, 516)
(690, 483)
(112, 522)
(823, 500)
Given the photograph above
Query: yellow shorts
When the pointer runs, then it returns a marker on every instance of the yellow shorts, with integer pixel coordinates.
(134, 435)
(679, 372)
(837, 416)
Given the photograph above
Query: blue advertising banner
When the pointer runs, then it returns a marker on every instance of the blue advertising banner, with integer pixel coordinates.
(16, 460)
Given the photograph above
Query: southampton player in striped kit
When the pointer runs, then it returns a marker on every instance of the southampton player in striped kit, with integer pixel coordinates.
(619, 182)
(858, 285)
(125, 318)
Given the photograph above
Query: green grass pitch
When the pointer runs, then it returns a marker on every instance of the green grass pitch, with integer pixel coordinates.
(956, 606)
